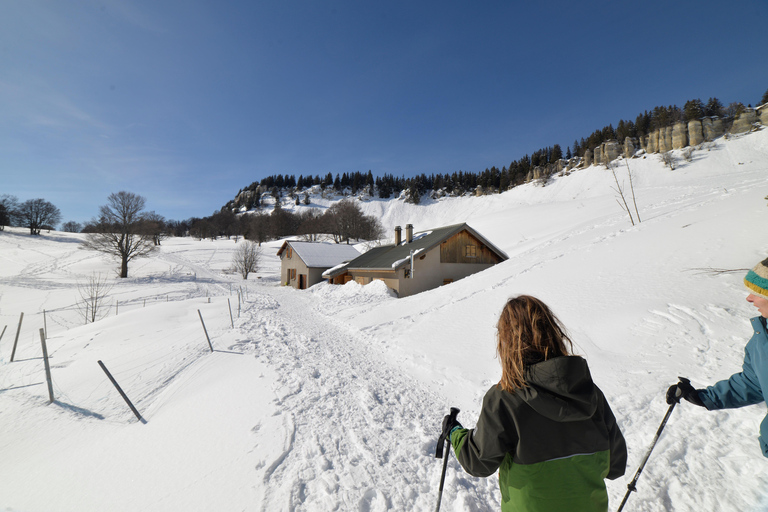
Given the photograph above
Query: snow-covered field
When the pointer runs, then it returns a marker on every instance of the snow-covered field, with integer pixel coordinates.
(332, 398)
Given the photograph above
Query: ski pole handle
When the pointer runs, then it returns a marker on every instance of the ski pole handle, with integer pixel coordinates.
(632, 486)
(445, 436)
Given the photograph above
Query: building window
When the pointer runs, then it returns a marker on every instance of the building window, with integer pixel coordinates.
(293, 274)
(290, 252)
(470, 251)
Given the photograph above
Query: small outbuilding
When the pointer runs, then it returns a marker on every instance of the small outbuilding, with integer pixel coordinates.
(422, 261)
(302, 263)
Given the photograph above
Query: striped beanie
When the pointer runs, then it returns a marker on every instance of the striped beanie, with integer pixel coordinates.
(757, 279)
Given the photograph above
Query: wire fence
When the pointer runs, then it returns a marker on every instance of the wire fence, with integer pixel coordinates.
(56, 320)
(148, 367)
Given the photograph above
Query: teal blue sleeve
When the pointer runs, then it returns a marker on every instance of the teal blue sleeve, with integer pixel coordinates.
(739, 390)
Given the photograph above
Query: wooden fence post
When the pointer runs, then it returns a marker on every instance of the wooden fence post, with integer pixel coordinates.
(205, 330)
(47, 366)
(1, 334)
(16, 341)
(45, 325)
(230, 313)
(122, 394)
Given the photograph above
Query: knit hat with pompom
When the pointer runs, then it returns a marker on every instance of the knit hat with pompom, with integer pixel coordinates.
(757, 279)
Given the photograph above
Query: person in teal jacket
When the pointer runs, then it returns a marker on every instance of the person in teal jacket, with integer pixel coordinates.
(546, 427)
(749, 386)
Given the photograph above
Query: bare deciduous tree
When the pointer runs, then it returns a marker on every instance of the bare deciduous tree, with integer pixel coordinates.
(119, 230)
(8, 205)
(669, 160)
(154, 226)
(632, 189)
(93, 296)
(620, 190)
(71, 227)
(38, 214)
(311, 225)
(345, 220)
(246, 257)
(257, 227)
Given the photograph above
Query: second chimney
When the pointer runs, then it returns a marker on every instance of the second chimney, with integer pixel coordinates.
(397, 235)
(408, 233)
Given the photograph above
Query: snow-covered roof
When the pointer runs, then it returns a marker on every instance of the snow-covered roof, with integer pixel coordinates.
(321, 255)
(392, 257)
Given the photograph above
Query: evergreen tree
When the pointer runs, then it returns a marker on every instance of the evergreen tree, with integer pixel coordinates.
(608, 133)
(643, 124)
(693, 110)
(625, 129)
(764, 99)
(413, 193)
(557, 153)
(734, 109)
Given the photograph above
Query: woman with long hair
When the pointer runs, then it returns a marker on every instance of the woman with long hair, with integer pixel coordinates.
(545, 426)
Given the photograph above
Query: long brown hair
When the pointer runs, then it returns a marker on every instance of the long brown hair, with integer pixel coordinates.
(528, 333)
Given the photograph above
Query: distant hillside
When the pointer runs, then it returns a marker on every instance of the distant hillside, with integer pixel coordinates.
(661, 130)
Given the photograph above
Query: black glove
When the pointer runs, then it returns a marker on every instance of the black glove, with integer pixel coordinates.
(449, 422)
(683, 389)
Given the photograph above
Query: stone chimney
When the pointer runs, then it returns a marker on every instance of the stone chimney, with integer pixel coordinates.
(397, 235)
(408, 233)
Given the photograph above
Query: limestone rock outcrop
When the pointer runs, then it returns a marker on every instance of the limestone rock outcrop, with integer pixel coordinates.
(630, 147)
(695, 133)
(743, 122)
(762, 113)
(679, 135)
(665, 139)
(597, 157)
(713, 128)
(611, 151)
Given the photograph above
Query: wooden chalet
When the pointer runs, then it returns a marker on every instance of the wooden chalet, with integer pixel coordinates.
(440, 256)
(302, 263)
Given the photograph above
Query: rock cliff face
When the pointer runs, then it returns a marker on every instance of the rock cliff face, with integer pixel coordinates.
(679, 136)
(743, 122)
(630, 147)
(762, 112)
(695, 133)
(713, 128)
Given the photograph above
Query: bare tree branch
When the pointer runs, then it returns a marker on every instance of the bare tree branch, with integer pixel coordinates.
(120, 230)
(246, 258)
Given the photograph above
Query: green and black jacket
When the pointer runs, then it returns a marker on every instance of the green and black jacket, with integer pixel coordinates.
(553, 442)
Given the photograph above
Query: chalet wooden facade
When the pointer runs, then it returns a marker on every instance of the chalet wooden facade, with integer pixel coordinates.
(302, 263)
(440, 256)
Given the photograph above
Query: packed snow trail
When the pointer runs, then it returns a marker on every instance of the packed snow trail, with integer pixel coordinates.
(356, 433)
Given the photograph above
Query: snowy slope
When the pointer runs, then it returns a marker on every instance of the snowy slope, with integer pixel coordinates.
(331, 399)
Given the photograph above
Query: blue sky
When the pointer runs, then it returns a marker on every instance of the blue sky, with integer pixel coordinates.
(186, 102)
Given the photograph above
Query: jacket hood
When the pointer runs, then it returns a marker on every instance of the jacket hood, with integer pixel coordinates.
(561, 389)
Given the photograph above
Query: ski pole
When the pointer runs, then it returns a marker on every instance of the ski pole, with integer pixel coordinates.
(631, 486)
(444, 436)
